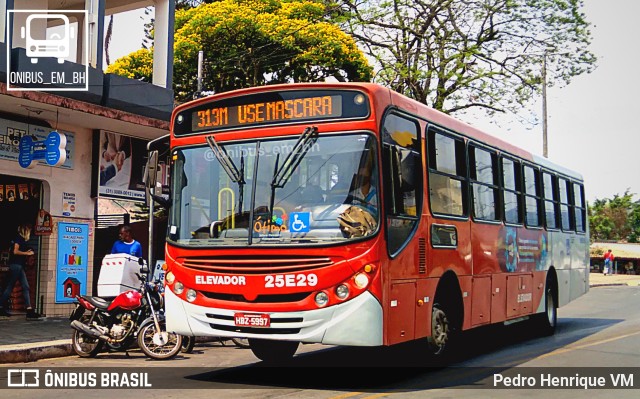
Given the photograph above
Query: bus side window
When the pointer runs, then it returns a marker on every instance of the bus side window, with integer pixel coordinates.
(565, 205)
(580, 208)
(532, 196)
(551, 206)
(512, 191)
(484, 183)
(447, 175)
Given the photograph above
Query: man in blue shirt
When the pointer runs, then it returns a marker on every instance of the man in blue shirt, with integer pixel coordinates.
(126, 244)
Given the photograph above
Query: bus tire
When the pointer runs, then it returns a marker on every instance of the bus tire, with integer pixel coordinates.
(546, 321)
(441, 329)
(270, 351)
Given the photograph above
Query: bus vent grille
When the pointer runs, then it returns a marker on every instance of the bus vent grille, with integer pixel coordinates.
(254, 330)
(422, 250)
(255, 264)
(279, 298)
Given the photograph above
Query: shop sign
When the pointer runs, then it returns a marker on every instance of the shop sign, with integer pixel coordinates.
(72, 261)
(44, 224)
(11, 134)
(52, 150)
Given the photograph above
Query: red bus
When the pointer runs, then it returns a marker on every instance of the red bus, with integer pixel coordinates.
(348, 214)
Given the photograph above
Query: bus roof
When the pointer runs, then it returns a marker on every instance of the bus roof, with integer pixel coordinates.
(407, 104)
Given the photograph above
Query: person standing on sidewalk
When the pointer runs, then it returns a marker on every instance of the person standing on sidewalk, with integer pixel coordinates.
(18, 253)
(126, 244)
(608, 262)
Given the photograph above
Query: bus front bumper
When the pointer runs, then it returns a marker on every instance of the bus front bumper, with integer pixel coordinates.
(357, 322)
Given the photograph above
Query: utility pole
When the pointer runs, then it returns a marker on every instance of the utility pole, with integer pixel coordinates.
(200, 63)
(545, 152)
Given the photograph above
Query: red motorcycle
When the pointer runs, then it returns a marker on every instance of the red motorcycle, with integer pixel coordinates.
(134, 315)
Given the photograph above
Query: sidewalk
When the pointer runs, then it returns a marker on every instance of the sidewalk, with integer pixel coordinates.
(26, 341)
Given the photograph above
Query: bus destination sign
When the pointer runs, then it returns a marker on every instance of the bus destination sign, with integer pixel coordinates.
(272, 108)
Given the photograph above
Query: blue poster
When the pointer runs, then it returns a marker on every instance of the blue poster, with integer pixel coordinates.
(72, 261)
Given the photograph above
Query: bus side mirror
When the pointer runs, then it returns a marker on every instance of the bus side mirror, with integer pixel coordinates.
(151, 170)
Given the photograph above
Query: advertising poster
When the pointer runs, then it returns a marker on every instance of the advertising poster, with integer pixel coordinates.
(1, 192)
(44, 223)
(11, 192)
(11, 132)
(122, 161)
(72, 261)
(23, 191)
(68, 204)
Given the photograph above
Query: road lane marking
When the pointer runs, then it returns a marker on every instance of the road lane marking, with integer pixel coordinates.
(603, 341)
(350, 394)
(346, 395)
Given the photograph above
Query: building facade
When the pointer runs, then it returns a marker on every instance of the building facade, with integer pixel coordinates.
(60, 199)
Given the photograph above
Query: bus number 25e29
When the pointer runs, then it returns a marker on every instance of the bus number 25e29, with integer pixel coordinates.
(290, 280)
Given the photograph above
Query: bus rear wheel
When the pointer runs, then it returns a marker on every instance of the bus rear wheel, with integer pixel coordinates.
(273, 351)
(546, 321)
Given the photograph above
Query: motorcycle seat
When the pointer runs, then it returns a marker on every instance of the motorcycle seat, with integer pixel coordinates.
(97, 302)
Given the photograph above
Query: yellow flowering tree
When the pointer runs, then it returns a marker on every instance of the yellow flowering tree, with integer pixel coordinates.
(251, 43)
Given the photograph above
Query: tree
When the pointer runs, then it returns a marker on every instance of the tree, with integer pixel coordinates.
(456, 55)
(251, 43)
(615, 219)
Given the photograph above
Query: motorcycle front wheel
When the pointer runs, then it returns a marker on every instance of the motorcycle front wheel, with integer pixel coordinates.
(84, 345)
(159, 345)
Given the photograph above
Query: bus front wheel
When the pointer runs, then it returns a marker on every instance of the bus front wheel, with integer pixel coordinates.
(273, 351)
(440, 331)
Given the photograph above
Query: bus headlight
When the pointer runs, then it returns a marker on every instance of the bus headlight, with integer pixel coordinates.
(322, 299)
(170, 278)
(361, 280)
(342, 291)
(178, 288)
(191, 295)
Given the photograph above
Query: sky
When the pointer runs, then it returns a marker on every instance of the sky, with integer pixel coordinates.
(591, 122)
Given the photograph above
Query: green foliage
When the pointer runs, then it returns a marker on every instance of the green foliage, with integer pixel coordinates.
(455, 55)
(615, 219)
(140, 211)
(250, 43)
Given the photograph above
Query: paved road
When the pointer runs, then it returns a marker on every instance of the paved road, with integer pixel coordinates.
(601, 329)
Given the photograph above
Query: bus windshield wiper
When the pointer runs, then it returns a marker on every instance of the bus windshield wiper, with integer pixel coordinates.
(282, 174)
(227, 163)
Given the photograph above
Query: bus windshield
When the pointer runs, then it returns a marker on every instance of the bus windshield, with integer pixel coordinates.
(243, 193)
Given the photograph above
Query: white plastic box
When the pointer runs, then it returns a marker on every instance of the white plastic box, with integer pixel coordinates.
(118, 274)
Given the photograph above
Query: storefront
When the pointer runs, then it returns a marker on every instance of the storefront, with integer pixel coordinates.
(59, 201)
(20, 201)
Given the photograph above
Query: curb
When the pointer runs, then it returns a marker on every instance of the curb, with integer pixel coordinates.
(608, 285)
(35, 351)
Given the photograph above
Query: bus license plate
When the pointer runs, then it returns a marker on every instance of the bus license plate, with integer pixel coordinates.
(252, 320)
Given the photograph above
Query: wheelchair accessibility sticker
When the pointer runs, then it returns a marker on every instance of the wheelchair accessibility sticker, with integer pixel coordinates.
(299, 222)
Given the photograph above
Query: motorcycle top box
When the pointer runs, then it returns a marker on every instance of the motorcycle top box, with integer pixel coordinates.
(118, 274)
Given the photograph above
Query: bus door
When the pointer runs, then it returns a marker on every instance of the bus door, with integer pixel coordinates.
(403, 185)
(485, 233)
